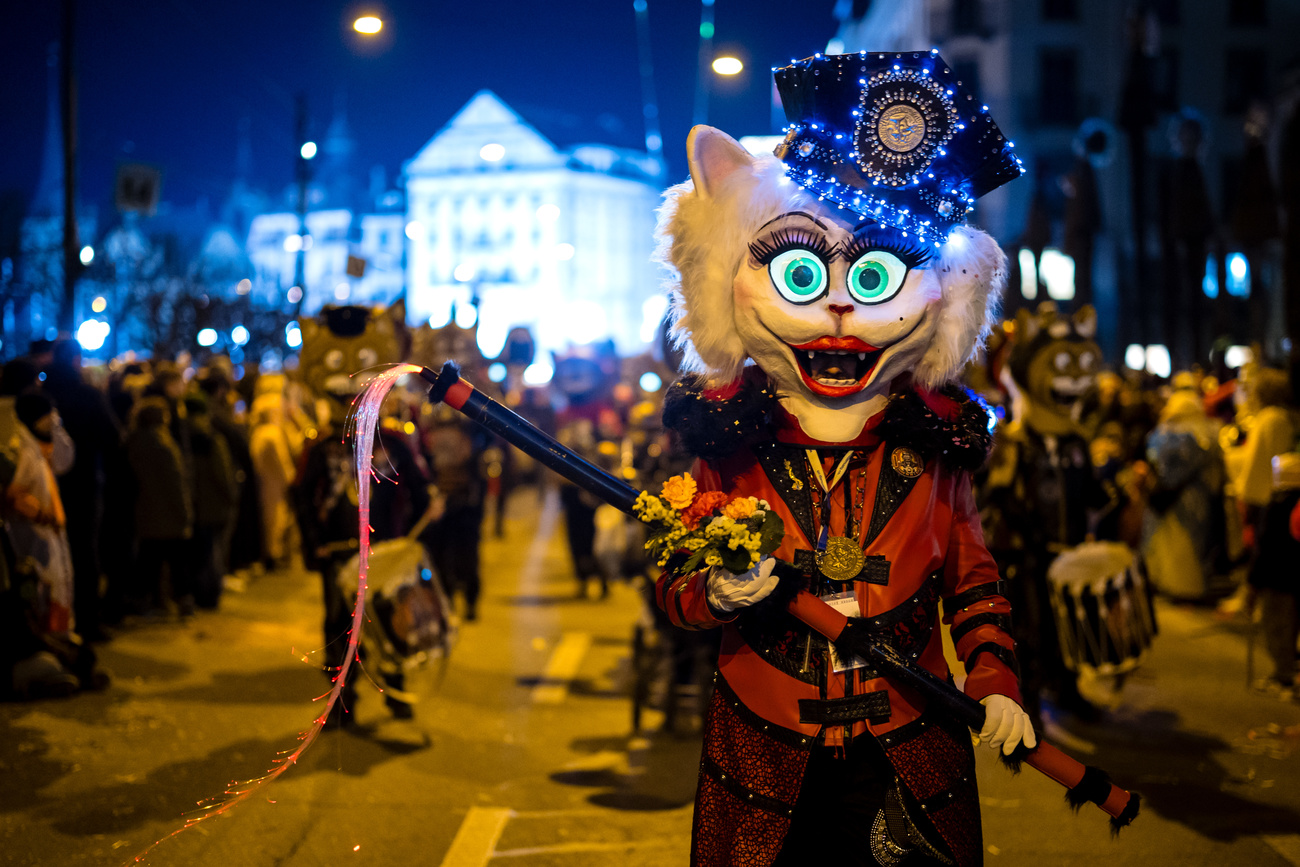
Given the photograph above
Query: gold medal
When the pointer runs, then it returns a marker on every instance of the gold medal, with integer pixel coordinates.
(906, 462)
(842, 560)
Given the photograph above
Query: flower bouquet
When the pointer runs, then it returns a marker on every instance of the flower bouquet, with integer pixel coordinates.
(691, 529)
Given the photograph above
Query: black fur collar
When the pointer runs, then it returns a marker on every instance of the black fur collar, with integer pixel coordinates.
(950, 424)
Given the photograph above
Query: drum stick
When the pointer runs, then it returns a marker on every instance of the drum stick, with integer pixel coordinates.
(1084, 784)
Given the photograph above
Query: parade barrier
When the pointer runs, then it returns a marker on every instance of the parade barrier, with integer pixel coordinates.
(1084, 784)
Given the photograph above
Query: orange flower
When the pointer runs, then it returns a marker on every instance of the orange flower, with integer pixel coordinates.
(740, 508)
(703, 506)
(679, 491)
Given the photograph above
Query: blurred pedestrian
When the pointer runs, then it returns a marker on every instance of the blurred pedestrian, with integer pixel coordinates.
(273, 467)
(215, 498)
(1275, 578)
(97, 438)
(164, 517)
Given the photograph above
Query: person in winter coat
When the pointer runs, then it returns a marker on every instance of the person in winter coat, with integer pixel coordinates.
(164, 516)
(215, 498)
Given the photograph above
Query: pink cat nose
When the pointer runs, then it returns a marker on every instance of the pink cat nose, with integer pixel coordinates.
(840, 309)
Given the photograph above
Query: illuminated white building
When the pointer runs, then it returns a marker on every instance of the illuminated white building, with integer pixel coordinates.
(555, 239)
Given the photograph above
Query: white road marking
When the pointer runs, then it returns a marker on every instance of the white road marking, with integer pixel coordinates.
(530, 576)
(476, 841)
(1286, 845)
(562, 668)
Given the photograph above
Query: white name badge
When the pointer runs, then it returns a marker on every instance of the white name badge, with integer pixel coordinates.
(846, 604)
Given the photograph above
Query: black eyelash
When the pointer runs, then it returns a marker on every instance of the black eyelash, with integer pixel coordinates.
(764, 250)
(911, 254)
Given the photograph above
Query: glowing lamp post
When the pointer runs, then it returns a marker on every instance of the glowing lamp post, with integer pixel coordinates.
(368, 25)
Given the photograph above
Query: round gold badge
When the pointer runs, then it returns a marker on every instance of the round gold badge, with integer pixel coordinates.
(906, 462)
(842, 560)
(901, 128)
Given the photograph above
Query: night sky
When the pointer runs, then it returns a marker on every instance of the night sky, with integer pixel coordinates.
(168, 82)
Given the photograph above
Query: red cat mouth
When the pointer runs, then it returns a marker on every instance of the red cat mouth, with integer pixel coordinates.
(836, 366)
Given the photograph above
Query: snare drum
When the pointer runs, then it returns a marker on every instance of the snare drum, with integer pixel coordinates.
(1102, 604)
(408, 612)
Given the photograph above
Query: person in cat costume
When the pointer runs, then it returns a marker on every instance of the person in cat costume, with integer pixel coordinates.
(826, 299)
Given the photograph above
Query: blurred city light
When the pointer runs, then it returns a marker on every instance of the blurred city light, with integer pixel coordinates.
(586, 321)
(243, 287)
(368, 24)
(207, 336)
(413, 229)
(239, 335)
(727, 65)
(342, 291)
(1238, 275)
(538, 373)
(492, 152)
(650, 382)
(1237, 356)
(99, 305)
(1158, 360)
(292, 335)
(308, 150)
(87, 254)
(1028, 274)
(652, 313)
(466, 315)
(1135, 357)
(548, 213)
(292, 243)
(306, 242)
(1210, 282)
(464, 272)
(1058, 274)
(496, 371)
(92, 333)
(294, 295)
(564, 252)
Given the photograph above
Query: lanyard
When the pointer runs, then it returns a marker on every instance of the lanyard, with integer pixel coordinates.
(819, 474)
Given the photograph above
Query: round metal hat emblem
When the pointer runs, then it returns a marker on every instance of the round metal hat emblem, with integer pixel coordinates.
(901, 128)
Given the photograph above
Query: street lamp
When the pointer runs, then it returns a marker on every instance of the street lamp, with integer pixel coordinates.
(368, 24)
(726, 65)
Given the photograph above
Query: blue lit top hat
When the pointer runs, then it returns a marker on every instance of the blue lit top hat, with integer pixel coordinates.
(895, 138)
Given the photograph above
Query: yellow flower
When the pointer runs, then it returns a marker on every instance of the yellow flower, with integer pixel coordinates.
(740, 508)
(679, 491)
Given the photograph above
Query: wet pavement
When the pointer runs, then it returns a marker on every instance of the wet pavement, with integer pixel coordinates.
(521, 750)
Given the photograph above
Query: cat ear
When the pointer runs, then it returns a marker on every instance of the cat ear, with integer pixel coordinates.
(714, 156)
(1085, 321)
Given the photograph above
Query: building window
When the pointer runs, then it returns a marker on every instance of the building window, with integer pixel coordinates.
(1248, 13)
(1058, 93)
(1060, 10)
(1245, 79)
(967, 18)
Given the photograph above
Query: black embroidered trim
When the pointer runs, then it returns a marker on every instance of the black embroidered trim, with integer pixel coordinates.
(742, 793)
(779, 733)
(773, 458)
(942, 799)
(782, 645)
(872, 706)
(919, 609)
(1001, 621)
(1007, 657)
(875, 570)
(906, 732)
(953, 604)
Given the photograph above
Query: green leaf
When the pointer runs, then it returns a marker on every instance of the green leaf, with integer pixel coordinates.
(772, 533)
(735, 560)
(693, 562)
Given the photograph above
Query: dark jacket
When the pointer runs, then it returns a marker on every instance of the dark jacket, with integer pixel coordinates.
(163, 507)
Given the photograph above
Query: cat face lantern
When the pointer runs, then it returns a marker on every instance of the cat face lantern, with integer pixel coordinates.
(839, 266)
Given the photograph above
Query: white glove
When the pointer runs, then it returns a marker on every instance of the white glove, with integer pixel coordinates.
(727, 591)
(1006, 724)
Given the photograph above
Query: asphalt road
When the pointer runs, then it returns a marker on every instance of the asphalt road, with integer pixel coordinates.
(521, 751)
